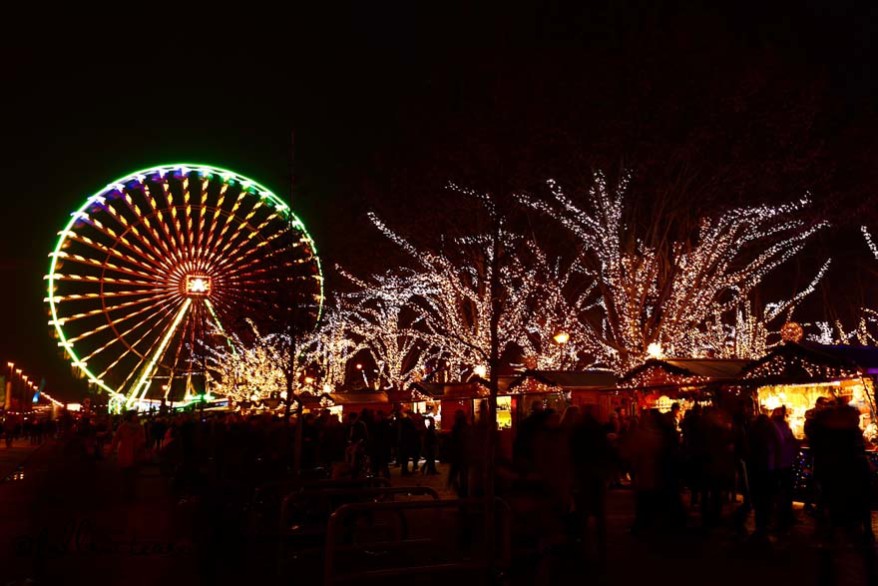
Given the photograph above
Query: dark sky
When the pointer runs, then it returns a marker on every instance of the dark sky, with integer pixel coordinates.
(386, 104)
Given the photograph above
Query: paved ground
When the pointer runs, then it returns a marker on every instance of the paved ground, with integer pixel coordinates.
(69, 521)
(13, 457)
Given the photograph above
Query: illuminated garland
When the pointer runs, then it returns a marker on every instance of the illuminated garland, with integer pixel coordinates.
(30, 383)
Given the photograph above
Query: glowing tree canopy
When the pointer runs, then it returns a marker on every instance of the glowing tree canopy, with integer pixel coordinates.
(382, 316)
(333, 347)
(152, 263)
(652, 291)
(255, 368)
(450, 289)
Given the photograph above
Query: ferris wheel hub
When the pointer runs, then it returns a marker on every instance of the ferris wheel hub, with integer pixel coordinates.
(197, 285)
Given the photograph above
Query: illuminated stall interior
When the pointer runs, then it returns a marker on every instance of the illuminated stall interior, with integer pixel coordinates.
(796, 375)
(658, 384)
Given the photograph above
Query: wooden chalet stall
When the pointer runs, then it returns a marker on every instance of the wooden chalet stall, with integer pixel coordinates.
(418, 399)
(314, 403)
(448, 398)
(356, 401)
(795, 375)
(557, 389)
(658, 384)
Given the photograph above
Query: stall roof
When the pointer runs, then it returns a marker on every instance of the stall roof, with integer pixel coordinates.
(357, 397)
(790, 362)
(570, 379)
(712, 368)
(475, 387)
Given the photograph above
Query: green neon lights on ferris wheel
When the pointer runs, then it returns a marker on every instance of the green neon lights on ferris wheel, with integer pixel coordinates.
(247, 184)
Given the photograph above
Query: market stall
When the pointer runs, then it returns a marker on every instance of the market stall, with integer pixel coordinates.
(796, 375)
(559, 388)
(345, 403)
(658, 384)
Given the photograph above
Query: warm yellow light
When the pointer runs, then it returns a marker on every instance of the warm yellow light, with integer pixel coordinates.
(10, 364)
(359, 366)
(561, 338)
(309, 380)
(327, 388)
(480, 371)
(654, 350)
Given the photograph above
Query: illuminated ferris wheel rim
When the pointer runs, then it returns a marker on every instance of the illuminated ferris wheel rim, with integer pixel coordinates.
(247, 184)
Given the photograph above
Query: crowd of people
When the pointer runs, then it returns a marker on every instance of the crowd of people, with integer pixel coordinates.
(724, 465)
(731, 464)
(32, 428)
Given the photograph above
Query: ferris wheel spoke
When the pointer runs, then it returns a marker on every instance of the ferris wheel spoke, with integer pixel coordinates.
(95, 279)
(219, 219)
(142, 386)
(230, 219)
(113, 324)
(101, 247)
(106, 294)
(113, 308)
(98, 264)
(154, 242)
(184, 226)
(121, 337)
(126, 228)
(114, 235)
(240, 253)
(239, 237)
(170, 242)
(175, 210)
(155, 332)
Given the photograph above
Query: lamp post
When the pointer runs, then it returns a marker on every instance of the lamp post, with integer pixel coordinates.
(561, 339)
(7, 388)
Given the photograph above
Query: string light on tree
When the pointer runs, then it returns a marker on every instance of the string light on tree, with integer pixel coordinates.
(654, 289)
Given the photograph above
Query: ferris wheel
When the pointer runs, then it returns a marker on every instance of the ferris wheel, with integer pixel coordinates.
(160, 264)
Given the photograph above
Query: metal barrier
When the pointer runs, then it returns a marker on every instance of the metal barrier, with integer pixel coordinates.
(268, 498)
(316, 506)
(340, 521)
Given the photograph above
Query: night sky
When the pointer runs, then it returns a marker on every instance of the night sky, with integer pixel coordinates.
(383, 106)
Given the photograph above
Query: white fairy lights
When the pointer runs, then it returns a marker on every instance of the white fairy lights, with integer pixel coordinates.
(662, 291)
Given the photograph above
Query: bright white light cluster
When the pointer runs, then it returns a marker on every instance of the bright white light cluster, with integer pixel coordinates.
(448, 295)
(254, 370)
(664, 291)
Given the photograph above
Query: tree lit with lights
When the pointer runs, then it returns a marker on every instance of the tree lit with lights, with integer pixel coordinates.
(653, 289)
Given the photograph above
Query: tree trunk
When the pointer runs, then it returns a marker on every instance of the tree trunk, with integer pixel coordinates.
(491, 423)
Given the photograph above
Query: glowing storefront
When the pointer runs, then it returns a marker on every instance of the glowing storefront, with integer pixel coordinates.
(796, 375)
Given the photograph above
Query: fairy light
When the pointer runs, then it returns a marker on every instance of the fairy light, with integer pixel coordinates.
(241, 371)
(661, 292)
(449, 291)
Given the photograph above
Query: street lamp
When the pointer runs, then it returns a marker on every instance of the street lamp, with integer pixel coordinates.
(654, 350)
(561, 338)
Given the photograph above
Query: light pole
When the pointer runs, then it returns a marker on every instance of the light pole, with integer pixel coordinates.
(7, 388)
(561, 339)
